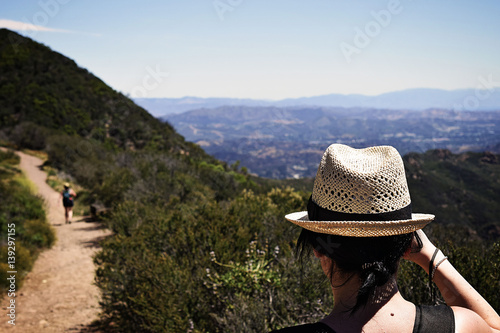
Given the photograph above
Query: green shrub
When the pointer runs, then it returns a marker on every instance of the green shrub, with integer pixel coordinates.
(38, 234)
(9, 157)
(23, 265)
(252, 276)
(181, 234)
(29, 135)
(22, 214)
(144, 288)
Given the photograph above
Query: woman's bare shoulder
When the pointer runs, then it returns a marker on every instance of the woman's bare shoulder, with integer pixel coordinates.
(468, 321)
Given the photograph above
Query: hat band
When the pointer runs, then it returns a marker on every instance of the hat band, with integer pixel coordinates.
(317, 213)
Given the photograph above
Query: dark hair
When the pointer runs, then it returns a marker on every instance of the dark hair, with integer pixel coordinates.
(375, 259)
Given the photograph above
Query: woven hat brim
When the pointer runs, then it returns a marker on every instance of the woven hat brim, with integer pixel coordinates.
(361, 228)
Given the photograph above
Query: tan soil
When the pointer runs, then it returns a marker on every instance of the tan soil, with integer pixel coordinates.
(58, 295)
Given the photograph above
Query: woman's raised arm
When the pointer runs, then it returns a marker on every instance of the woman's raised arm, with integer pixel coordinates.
(468, 305)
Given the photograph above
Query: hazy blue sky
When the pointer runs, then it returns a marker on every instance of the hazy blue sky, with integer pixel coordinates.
(270, 49)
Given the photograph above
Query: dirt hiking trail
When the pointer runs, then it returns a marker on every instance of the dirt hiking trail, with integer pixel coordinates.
(58, 295)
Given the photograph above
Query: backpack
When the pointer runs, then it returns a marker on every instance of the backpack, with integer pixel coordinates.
(67, 199)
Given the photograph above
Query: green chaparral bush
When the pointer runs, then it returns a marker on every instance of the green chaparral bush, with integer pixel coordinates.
(184, 233)
(266, 291)
(22, 212)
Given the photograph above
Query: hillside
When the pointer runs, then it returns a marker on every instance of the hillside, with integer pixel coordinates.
(287, 142)
(95, 135)
(460, 189)
(42, 87)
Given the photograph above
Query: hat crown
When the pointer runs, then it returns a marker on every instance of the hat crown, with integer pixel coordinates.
(361, 181)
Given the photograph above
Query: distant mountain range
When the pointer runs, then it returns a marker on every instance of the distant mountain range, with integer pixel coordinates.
(486, 99)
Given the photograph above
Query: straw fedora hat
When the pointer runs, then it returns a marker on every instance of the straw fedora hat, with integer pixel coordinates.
(360, 193)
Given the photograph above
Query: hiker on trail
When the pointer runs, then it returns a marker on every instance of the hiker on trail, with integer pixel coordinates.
(68, 196)
(359, 225)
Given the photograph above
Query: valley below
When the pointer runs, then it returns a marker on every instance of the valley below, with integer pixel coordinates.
(285, 143)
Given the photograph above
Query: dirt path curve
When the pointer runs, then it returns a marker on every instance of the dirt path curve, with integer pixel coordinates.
(58, 295)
